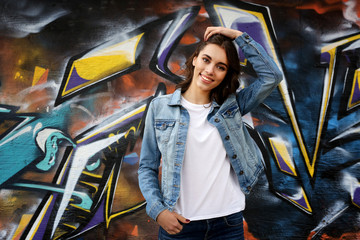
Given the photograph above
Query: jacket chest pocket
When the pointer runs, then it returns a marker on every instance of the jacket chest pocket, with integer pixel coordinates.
(163, 130)
(232, 118)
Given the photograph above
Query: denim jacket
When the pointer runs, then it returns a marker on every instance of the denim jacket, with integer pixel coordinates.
(166, 128)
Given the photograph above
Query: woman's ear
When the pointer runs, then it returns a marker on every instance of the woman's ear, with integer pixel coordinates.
(193, 61)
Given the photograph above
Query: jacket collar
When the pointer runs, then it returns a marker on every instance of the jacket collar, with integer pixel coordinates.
(175, 99)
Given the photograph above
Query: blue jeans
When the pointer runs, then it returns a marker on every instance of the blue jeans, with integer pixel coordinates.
(229, 227)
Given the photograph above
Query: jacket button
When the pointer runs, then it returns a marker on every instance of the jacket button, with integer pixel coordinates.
(247, 36)
(227, 138)
(234, 156)
(249, 188)
(228, 112)
(241, 172)
(217, 120)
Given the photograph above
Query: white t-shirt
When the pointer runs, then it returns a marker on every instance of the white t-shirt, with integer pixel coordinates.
(209, 187)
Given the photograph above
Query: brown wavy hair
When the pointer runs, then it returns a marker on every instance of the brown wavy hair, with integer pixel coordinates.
(230, 83)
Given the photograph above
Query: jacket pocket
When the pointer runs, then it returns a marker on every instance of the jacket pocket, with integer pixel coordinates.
(232, 117)
(163, 129)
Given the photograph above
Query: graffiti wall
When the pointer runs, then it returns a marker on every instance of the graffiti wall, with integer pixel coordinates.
(76, 78)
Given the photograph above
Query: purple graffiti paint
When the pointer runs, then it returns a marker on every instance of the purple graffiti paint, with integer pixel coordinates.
(75, 80)
(170, 42)
(98, 217)
(300, 201)
(255, 30)
(356, 197)
(282, 163)
(325, 57)
(39, 234)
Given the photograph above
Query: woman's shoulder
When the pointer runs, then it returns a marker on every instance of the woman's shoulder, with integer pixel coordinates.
(164, 106)
(168, 98)
(161, 100)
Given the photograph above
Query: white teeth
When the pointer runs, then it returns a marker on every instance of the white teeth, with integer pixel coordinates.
(207, 79)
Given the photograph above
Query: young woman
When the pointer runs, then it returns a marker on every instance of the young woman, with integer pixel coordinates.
(209, 160)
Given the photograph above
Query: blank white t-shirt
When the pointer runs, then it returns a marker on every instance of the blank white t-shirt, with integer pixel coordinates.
(209, 187)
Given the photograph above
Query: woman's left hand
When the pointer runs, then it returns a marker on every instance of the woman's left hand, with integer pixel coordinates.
(228, 32)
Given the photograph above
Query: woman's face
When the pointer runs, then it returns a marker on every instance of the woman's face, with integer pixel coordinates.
(210, 68)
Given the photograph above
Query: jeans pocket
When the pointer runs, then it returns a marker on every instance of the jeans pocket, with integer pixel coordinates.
(234, 220)
(164, 235)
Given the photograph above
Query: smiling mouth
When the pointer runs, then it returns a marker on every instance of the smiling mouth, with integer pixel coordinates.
(206, 79)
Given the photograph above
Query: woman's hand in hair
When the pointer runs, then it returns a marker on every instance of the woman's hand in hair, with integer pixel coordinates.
(171, 222)
(228, 32)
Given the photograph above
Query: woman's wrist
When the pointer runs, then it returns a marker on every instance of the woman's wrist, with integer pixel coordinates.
(238, 34)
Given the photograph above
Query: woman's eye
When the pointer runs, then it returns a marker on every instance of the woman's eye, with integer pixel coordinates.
(221, 68)
(205, 60)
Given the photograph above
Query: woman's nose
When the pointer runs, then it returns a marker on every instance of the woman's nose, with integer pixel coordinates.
(209, 69)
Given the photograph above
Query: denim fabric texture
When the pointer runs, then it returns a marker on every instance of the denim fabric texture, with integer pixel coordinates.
(166, 128)
(228, 227)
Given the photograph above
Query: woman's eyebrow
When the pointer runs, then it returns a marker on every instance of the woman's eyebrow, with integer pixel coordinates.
(204, 54)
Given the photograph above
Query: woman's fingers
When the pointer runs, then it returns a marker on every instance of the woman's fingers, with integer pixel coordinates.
(181, 218)
(228, 32)
(169, 222)
(209, 32)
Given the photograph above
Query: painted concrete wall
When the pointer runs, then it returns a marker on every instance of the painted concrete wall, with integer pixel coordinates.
(76, 78)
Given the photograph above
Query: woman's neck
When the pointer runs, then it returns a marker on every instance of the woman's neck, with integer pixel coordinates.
(196, 97)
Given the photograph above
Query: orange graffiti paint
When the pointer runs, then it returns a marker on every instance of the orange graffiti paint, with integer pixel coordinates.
(259, 122)
(248, 235)
(321, 7)
(350, 9)
(77, 126)
(202, 10)
(354, 235)
(36, 103)
(311, 235)
(175, 66)
(135, 232)
(40, 75)
(188, 39)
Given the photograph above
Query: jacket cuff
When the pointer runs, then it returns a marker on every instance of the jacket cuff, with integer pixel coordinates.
(155, 210)
(243, 39)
